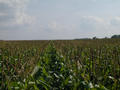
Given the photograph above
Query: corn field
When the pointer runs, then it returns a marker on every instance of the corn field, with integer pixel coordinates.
(60, 65)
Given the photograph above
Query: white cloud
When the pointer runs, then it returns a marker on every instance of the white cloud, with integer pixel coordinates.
(14, 12)
(92, 24)
(115, 21)
(83, 26)
(57, 20)
(23, 18)
(15, 3)
(60, 27)
(99, 26)
(93, 19)
(53, 25)
(3, 14)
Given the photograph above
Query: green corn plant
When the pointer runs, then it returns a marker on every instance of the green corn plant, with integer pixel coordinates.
(69, 64)
(52, 70)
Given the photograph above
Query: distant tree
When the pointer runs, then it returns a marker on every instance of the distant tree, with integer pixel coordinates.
(115, 36)
(94, 37)
(106, 38)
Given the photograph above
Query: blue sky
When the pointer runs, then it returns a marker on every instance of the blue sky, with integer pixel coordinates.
(58, 19)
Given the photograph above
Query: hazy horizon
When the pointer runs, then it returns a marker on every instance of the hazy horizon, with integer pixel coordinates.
(63, 19)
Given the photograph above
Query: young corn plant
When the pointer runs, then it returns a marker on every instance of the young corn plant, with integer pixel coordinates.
(51, 71)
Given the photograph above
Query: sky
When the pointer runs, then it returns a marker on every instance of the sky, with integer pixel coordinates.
(58, 19)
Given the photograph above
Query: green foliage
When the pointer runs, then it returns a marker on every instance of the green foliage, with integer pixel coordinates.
(52, 70)
(115, 36)
(72, 65)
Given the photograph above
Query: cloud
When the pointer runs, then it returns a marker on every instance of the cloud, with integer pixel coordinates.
(22, 18)
(6, 12)
(92, 19)
(115, 21)
(12, 12)
(99, 26)
(57, 19)
(53, 25)
(82, 26)
(91, 23)
(18, 4)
